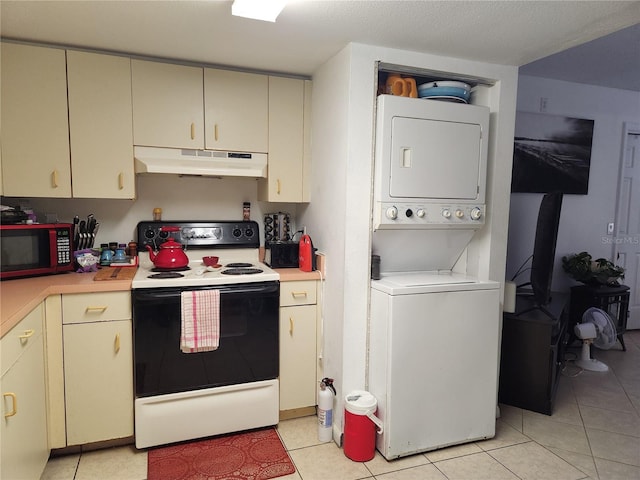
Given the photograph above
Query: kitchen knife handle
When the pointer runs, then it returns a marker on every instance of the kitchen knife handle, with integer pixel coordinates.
(290, 326)
(14, 400)
(116, 343)
(54, 179)
(121, 180)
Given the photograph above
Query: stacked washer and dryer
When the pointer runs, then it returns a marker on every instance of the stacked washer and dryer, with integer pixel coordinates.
(434, 329)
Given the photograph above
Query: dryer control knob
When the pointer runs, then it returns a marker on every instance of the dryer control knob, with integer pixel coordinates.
(392, 213)
(476, 213)
(459, 213)
(421, 213)
(409, 213)
(446, 213)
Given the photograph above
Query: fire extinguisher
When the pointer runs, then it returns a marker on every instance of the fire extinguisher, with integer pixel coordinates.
(325, 410)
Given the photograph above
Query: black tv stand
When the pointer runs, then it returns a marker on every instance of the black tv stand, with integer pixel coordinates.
(532, 353)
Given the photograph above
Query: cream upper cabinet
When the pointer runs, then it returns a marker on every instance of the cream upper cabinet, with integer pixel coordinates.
(236, 108)
(167, 105)
(100, 124)
(35, 129)
(288, 170)
(24, 449)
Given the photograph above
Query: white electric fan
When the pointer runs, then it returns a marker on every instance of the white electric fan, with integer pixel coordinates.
(598, 329)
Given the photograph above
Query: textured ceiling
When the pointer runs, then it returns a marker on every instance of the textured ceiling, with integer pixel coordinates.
(309, 32)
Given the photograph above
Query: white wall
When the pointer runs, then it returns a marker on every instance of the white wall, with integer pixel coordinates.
(584, 218)
(181, 198)
(340, 210)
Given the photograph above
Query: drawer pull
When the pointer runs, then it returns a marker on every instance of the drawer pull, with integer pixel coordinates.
(290, 326)
(100, 308)
(27, 334)
(116, 343)
(215, 132)
(120, 180)
(299, 294)
(14, 400)
(193, 130)
(278, 186)
(54, 179)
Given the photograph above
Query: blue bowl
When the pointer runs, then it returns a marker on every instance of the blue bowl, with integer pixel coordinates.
(444, 92)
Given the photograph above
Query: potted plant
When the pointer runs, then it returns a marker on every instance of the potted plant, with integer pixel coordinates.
(600, 272)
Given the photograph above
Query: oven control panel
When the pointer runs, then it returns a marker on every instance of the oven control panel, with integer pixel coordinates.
(199, 234)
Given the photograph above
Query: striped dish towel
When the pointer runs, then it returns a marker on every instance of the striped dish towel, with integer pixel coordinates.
(200, 321)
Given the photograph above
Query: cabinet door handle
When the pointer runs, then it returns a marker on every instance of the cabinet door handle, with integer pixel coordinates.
(116, 343)
(14, 400)
(54, 179)
(278, 186)
(215, 132)
(27, 334)
(290, 326)
(98, 308)
(121, 180)
(193, 130)
(299, 294)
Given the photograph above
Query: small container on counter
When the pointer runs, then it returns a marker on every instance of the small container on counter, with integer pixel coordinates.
(157, 214)
(132, 249)
(246, 211)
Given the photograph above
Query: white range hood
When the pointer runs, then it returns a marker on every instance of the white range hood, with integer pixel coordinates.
(200, 162)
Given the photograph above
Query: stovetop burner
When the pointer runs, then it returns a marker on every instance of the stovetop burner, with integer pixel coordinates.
(176, 269)
(239, 265)
(241, 271)
(166, 274)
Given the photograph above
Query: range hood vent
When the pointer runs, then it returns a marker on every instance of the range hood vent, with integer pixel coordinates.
(200, 162)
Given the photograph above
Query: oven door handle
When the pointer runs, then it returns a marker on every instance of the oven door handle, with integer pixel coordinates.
(237, 289)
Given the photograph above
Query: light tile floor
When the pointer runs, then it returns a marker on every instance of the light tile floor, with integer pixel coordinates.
(594, 433)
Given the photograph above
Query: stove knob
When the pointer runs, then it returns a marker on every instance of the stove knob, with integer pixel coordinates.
(459, 213)
(392, 213)
(248, 232)
(446, 213)
(149, 234)
(476, 213)
(237, 232)
(421, 213)
(163, 234)
(409, 213)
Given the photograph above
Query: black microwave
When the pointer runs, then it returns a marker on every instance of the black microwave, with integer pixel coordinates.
(282, 254)
(30, 250)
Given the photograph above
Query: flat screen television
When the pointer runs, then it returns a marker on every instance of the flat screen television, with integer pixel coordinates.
(544, 248)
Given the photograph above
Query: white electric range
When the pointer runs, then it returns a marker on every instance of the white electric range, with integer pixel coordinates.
(181, 396)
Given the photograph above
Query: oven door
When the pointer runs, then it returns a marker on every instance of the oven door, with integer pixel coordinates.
(248, 349)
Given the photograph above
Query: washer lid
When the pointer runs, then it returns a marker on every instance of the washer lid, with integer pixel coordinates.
(405, 283)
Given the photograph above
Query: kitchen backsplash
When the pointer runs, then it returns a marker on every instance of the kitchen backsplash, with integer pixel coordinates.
(180, 198)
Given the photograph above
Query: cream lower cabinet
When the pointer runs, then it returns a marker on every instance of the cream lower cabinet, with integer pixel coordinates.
(298, 312)
(24, 450)
(98, 366)
(289, 141)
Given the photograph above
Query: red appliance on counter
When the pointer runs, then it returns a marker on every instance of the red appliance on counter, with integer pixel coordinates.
(30, 250)
(307, 254)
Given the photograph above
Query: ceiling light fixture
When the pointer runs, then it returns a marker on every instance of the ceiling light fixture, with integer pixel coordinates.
(267, 10)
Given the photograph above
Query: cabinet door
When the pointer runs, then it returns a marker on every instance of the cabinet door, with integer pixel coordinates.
(297, 357)
(24, 449)
(286, 141)
(100, 125)
(35, 129)
(98, 374)
(236, 111)
(167, 105)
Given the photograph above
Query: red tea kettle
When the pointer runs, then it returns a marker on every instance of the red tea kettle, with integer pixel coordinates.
(170, 254)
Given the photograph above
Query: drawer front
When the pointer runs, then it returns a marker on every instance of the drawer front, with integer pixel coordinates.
(298, 293)
(20, 337)
(96, 307)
